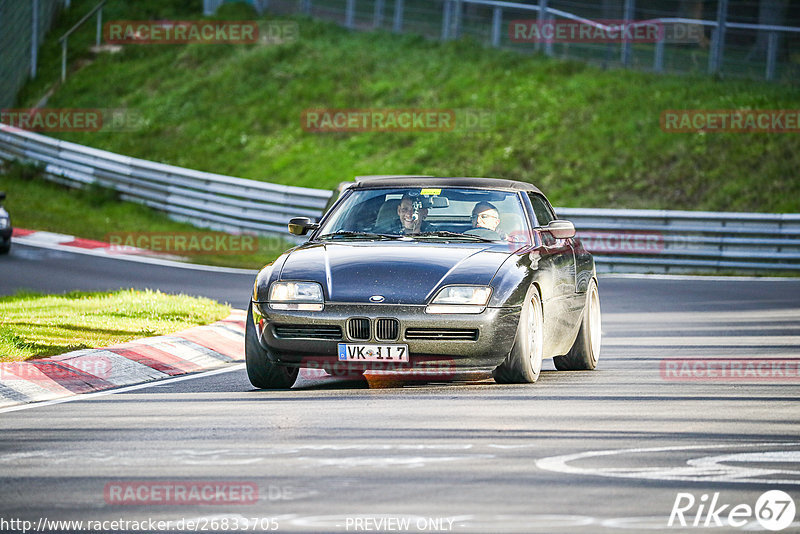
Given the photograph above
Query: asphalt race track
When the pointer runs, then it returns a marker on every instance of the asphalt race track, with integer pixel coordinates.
(54, 271)
(602, 451)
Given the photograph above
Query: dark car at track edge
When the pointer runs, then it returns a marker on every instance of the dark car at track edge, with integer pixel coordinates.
(5, 227)
(407, 272)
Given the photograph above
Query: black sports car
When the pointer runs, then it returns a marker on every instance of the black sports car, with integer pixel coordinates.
(5, 228)
(408, 272)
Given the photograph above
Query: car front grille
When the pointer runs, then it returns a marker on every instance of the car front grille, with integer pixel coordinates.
(358, 328)
(386, 329)
(442, 334)
(298, 331)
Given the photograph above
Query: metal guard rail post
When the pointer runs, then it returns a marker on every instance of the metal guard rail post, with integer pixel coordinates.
(64, 38)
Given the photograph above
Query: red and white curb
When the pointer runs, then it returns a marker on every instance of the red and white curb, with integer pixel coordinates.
(90, 370)
(79, 245)
(38, 238)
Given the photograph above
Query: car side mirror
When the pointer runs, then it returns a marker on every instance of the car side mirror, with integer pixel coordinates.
(561, 229)
(2, 196)
(301, 225)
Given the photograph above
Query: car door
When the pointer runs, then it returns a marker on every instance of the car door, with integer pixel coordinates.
(557, 273)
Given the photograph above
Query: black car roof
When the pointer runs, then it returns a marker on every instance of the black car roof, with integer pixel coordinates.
(365, 182)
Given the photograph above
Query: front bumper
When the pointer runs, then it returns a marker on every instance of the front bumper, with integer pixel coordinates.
(494, 333)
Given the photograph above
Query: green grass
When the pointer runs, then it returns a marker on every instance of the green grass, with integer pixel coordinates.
(49, 66)
(587, 137)
(95, 213)
(35, 326)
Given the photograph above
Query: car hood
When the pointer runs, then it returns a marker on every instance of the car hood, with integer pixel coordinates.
(401, 272)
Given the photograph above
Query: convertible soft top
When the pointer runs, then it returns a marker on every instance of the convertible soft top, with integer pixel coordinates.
(429, 181)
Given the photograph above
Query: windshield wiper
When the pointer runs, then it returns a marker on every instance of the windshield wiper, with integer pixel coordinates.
(444, 233)
(363, 235)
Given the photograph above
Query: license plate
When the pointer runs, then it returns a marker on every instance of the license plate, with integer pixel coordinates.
(350, 352)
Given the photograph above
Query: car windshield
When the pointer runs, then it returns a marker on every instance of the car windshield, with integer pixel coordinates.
(438, 214)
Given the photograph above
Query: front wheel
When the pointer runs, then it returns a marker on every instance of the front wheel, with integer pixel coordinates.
(263, 372)
(524, 363)
(585, 351)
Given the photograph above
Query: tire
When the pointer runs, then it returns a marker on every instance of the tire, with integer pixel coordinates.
(524, 363)
(261, 371)
(585, 351)
(5, 248)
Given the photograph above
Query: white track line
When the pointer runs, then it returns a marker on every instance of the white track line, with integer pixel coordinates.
(138, 259)
(708, 278)
(88, 396)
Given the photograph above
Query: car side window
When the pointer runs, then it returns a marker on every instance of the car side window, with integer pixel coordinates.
(542, 211)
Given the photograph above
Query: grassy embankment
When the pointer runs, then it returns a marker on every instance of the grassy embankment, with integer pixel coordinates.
(587, 137)
(34, 325)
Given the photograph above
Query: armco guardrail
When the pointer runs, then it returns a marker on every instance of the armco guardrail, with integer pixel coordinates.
(622, 240)
(205, 199)
(680, 241)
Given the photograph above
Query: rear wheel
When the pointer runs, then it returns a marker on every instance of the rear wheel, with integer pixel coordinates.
(585, 351)
(524, 363)
(263, 372)
(5, 247)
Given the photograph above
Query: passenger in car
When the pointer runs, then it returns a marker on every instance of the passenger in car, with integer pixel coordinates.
(485, 220)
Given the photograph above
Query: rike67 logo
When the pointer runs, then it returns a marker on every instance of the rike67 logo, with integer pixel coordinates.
(774, 510)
